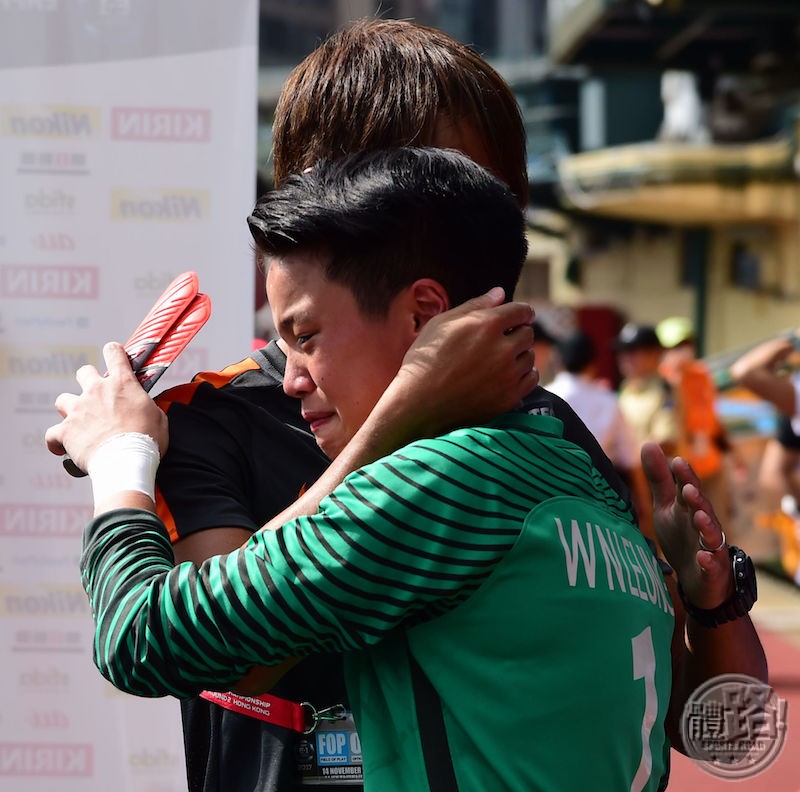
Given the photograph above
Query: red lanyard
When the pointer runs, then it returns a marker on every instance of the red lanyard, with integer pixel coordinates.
(302, 717)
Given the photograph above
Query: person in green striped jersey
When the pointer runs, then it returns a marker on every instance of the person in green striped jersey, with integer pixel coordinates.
(499, 611)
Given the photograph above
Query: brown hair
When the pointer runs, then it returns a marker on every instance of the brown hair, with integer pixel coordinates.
(383, 83)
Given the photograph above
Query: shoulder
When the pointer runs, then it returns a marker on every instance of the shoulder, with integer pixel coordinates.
(257, 370)
(250, 390)
(505, 443)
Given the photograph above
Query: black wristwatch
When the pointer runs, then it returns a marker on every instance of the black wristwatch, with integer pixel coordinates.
(744, 596)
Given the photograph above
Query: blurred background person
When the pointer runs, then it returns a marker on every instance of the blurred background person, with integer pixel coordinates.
(771, 370)
(544, 344)
(701, 437)
(595, 404)
(645, 399)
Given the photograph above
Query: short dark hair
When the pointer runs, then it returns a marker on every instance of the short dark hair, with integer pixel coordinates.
(577, 352)
(634, 336)
(382, 83)
(386, 218)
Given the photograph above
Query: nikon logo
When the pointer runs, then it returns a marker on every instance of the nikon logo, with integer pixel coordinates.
(44, 362)
(45, 521)
(159, 205)
(37, 602)
(42, 282)
(50, 121)
(164, 124)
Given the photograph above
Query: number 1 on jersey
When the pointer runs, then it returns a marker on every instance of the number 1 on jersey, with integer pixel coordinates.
(644, 667)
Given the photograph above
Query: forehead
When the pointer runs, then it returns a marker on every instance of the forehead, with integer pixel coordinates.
(292, 273)
(297, 288)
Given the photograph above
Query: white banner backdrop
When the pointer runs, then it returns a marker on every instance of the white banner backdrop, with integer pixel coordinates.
(127, 156)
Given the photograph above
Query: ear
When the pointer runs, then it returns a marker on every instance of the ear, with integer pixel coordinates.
(427, 298)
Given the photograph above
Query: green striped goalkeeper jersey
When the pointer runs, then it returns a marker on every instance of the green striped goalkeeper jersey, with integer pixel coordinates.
(495, 559)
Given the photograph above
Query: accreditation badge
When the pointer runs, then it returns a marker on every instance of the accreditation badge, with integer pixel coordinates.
(331, 754)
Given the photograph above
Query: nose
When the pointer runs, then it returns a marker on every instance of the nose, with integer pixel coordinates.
(297, 382)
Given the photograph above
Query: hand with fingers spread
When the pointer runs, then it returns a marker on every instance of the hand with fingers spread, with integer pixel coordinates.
(688, 530)
(108, 405)
(694, 544)
(469, 364)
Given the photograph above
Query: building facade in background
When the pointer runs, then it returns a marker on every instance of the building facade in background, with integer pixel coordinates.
(662, 143)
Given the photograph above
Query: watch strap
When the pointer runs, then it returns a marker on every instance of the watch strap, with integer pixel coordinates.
(739, 603)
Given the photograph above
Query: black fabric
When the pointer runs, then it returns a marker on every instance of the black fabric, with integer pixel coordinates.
(263, 455)
(785, 435)
(227, 751)
(432, 731)
(542, 402)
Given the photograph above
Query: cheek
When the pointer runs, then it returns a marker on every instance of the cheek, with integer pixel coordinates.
(362, 386)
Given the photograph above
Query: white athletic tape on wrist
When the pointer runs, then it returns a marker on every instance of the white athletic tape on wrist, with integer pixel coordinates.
(126, 461)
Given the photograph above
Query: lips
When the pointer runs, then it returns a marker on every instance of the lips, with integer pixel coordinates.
(316, 420)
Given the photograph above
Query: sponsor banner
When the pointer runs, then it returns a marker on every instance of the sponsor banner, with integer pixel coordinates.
(65, 760)
(49, 324)
(125, 159)
(43, 600)
(49, 720)
(155, 761)
(51, 479)
(23, 564)
(43, 680)
(44, 520)
(164, 205)
(61, 32)
(48, 282)
(46, 641)
(54, 242)
(49, 121)
(161, 124)
(45, 361)
(47, 202)
(54, 162)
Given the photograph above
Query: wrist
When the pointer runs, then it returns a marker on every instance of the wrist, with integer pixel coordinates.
(126, 462)
(740, 600)
(400, 417)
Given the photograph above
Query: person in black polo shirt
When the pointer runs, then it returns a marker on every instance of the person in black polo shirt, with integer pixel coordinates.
(239, 450)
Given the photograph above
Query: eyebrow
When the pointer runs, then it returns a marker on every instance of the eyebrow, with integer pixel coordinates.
(287, 323)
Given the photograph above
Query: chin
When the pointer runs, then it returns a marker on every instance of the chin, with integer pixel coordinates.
(332, 446)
